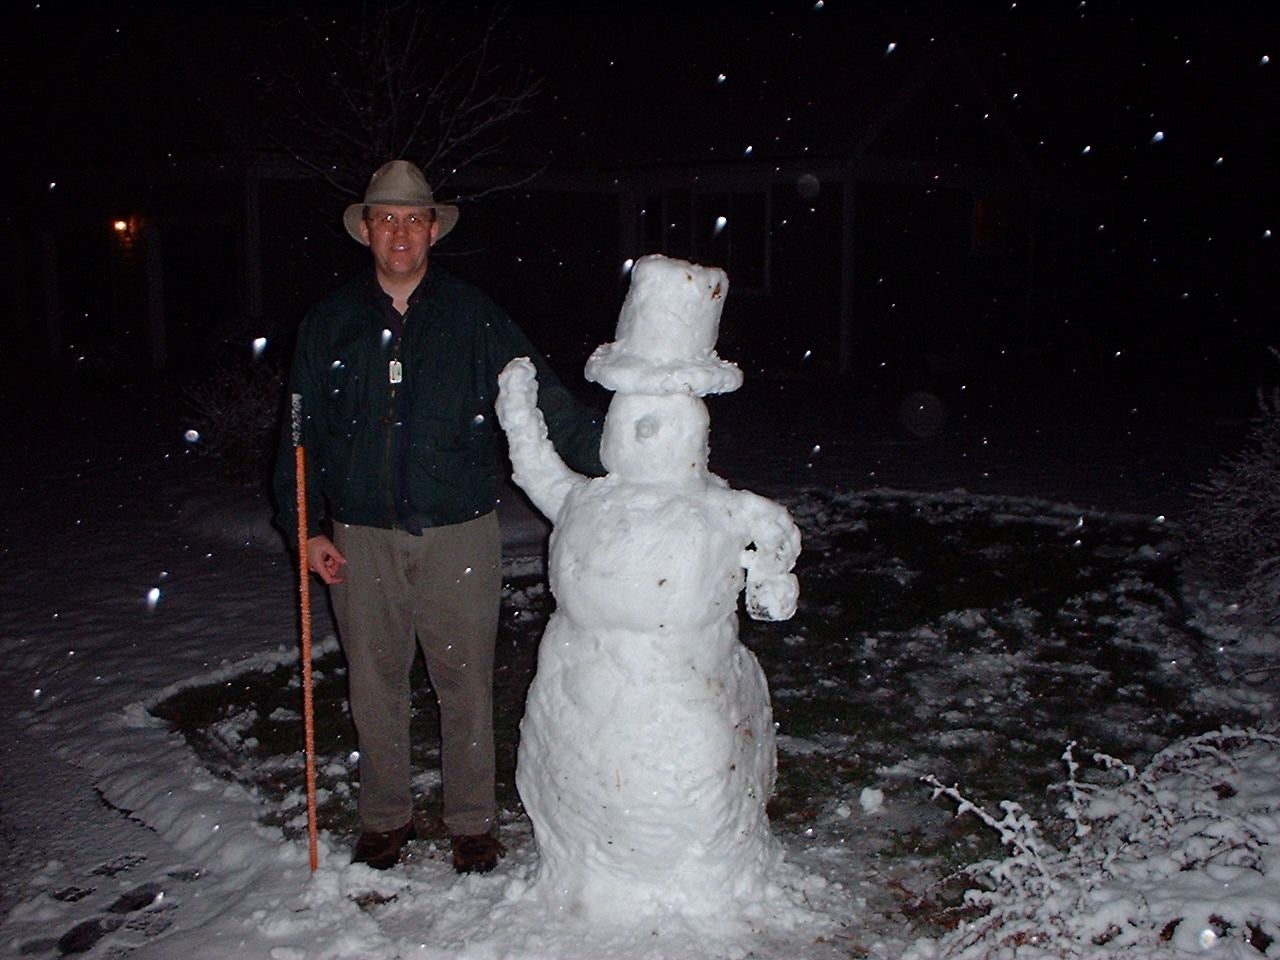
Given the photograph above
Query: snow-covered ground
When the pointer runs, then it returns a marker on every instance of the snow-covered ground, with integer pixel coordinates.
(130, 574)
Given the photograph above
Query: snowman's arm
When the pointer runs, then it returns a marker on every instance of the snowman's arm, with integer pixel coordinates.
(536, 466)
(772, 589)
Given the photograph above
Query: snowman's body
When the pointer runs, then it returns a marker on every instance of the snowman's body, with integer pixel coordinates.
(647, 748)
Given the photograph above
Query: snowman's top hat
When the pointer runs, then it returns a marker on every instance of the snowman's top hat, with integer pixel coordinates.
(667, 332)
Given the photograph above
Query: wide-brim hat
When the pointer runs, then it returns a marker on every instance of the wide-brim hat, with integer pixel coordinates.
(399, 183)
(667, 332)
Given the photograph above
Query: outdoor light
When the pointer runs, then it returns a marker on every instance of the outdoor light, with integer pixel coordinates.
(126, 230)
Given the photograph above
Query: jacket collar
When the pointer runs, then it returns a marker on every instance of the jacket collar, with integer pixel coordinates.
(385, 308)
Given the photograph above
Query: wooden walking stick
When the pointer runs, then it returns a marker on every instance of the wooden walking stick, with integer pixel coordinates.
(304, 600)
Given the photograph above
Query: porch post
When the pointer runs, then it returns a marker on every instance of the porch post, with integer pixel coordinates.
(52, 295)
(628, 235)
(848, 196)
(153, 264)
(253, 243)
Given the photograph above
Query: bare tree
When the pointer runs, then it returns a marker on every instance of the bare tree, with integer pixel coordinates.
(345, 90)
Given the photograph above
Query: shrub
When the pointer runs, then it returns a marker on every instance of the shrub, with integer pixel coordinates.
(1235, 525)
(1171, 861)
(237, 411)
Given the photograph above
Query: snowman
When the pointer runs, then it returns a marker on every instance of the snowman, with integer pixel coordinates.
(647, 746)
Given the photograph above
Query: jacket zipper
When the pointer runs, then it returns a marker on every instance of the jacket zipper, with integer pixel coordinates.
(394, 377)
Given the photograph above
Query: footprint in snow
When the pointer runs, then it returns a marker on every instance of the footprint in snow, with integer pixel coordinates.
(139, 911)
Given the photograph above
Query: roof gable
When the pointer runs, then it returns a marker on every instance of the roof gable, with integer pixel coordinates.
(943, 113)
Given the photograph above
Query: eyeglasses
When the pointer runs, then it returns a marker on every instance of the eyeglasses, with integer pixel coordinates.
(412, 222)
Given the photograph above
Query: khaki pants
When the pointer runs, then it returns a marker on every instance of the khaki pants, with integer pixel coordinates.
(441, 589)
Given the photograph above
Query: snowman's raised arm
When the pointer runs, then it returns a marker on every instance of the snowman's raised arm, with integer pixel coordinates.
(537, 467)
(772, 589)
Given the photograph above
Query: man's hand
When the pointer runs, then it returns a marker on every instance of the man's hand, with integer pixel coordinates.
(325, 560)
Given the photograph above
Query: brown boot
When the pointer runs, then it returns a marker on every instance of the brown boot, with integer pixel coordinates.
(476, 852)
(382, 850)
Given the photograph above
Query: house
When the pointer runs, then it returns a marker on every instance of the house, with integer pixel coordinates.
(909, 226)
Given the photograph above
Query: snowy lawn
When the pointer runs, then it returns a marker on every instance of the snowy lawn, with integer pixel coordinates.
(968, 639)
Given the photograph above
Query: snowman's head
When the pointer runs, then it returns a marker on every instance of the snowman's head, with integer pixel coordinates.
(656, 438)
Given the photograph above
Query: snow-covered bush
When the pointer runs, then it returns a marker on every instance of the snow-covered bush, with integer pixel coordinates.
(237, 410)
(1180, 859)
(1235, 528)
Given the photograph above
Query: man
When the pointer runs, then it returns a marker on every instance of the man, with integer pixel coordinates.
(397, 371)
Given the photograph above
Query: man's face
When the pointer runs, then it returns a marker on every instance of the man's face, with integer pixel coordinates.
(400, 239)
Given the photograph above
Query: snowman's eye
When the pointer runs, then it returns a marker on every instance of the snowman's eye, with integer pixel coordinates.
(646, 427)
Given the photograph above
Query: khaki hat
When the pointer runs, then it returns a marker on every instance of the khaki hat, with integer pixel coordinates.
(399, 183)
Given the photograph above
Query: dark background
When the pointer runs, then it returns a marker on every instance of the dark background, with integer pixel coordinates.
(1155, 127)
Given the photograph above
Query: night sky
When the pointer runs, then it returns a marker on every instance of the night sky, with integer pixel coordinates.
(1179, 105)
(1163, 120)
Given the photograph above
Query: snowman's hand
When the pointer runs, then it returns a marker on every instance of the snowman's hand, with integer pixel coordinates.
(772, 590)
(773, 598)
(774, 536)
(517, 403)
(536, 466)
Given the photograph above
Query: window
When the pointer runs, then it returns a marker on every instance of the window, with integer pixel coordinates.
(731, 230)
(725, 229)
(988, 227)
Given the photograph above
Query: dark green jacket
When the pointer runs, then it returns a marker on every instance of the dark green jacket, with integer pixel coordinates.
(425, 451)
